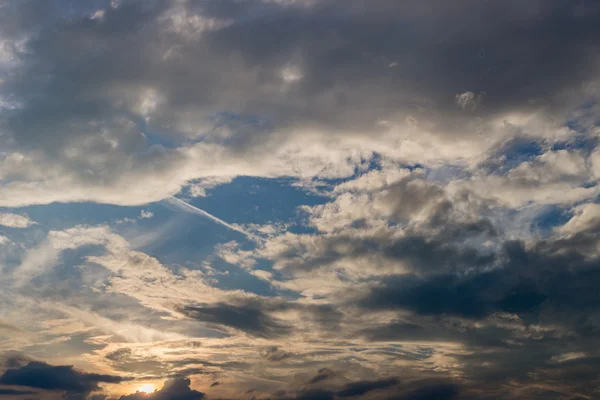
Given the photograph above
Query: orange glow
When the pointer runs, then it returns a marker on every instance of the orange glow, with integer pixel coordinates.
(146, 389)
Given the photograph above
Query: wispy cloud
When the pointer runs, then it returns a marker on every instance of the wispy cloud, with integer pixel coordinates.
(186, 207)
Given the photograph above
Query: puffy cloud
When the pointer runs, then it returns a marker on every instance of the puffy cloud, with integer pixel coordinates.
(555, 177)
(15, 220)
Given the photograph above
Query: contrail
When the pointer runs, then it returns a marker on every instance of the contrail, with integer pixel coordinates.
(182, 205)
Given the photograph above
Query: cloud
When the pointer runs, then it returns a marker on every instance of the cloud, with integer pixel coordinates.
(14, 392)
(173, 389)
(362, 387)
(15, 220)
(433, 392)
(468, 100)
(389, 388)
(273, 353)
(15, 359)
(585, 217)
(313, 394)
(323, 374)
(119, 354)
(445, 294)
(148, 124)
(146, 214)
(65, 378)
(249, 318)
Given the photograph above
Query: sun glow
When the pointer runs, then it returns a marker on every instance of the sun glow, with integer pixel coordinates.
(146, 389)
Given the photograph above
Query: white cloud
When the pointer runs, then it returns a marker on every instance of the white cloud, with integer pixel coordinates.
(585, 216)
(291, 74)
(98, 15)
(15, 220)
(568, 357)
(555, 177)
(126, 331)
(146, 214)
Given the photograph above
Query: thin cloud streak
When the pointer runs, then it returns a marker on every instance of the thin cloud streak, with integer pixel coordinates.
(186, 207)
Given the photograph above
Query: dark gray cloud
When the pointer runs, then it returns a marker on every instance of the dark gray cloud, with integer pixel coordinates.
(173, 389)
(60, 378)
(387, 388)
(254, 315)
(552, 273)
(322, 374)
(119, 355)
(433, 392)
(250, 318)
(14, 392)
(474, 297)
(362, 387)
(539, 303)
(313, 394)
(334, 45)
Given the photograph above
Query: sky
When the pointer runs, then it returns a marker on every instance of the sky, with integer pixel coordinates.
(299, 199)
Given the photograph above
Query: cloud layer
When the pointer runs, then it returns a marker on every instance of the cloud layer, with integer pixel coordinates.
(299, 199)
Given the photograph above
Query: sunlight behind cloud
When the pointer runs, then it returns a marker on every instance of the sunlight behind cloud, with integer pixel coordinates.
(146, 388)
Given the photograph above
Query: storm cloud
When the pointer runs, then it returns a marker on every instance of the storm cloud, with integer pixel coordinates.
(65, 378)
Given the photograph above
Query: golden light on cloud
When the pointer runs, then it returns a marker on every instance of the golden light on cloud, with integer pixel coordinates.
(146, 388)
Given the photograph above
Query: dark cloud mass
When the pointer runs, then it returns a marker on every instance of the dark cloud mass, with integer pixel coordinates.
(433, 392)
(14, 392)
(65, 378)
(361, 387)
(390, 388)
(250, 318)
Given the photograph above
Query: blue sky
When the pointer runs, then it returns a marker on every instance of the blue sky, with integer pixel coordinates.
(299, 199)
